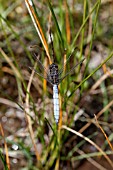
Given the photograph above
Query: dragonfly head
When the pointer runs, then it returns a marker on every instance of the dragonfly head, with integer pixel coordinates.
(53, 65)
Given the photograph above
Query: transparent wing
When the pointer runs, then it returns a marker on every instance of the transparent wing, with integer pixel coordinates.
(64, 64)
(40, 65)
(41, 70)
(41, 75)
(71, 70)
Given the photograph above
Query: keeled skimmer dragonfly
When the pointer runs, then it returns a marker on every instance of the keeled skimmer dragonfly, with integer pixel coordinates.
(53, 73)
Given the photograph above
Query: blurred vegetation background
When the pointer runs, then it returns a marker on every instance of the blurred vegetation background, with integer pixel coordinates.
(28, 141)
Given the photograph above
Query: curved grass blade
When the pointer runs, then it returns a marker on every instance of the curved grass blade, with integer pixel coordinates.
(111, 55)
(36, 23)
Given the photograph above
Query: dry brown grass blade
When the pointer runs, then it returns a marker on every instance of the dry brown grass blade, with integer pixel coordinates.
(91, 142)
(7, 70)
(92, 161)
(60, 98)
(46, 61)
(27, 113)
(9, 103)
(98, 115)
(60, 120)
(45, 74)
(103, 133)
(104, 68)
(64, 63)
(101, 79)
(9, 61)
(68, 32)
(38, 28)
(57, 164)
(6, 148)
(44, 85)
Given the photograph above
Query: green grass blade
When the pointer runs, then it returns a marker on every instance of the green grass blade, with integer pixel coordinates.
(56, 23)
(110, 56)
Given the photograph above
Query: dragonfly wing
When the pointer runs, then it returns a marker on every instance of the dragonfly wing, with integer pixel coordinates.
(61, 70)
(41, 75)
(40, 64)
(71, 70)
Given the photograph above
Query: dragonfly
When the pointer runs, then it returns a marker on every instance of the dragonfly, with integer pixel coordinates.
(53, 74)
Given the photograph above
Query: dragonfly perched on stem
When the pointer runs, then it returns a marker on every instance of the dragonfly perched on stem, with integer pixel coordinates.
(54, 78)
(53, 74)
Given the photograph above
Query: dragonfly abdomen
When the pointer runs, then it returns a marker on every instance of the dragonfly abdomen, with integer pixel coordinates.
(56, 103)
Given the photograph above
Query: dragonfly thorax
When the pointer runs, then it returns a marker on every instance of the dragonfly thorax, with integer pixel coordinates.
(53, 75)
